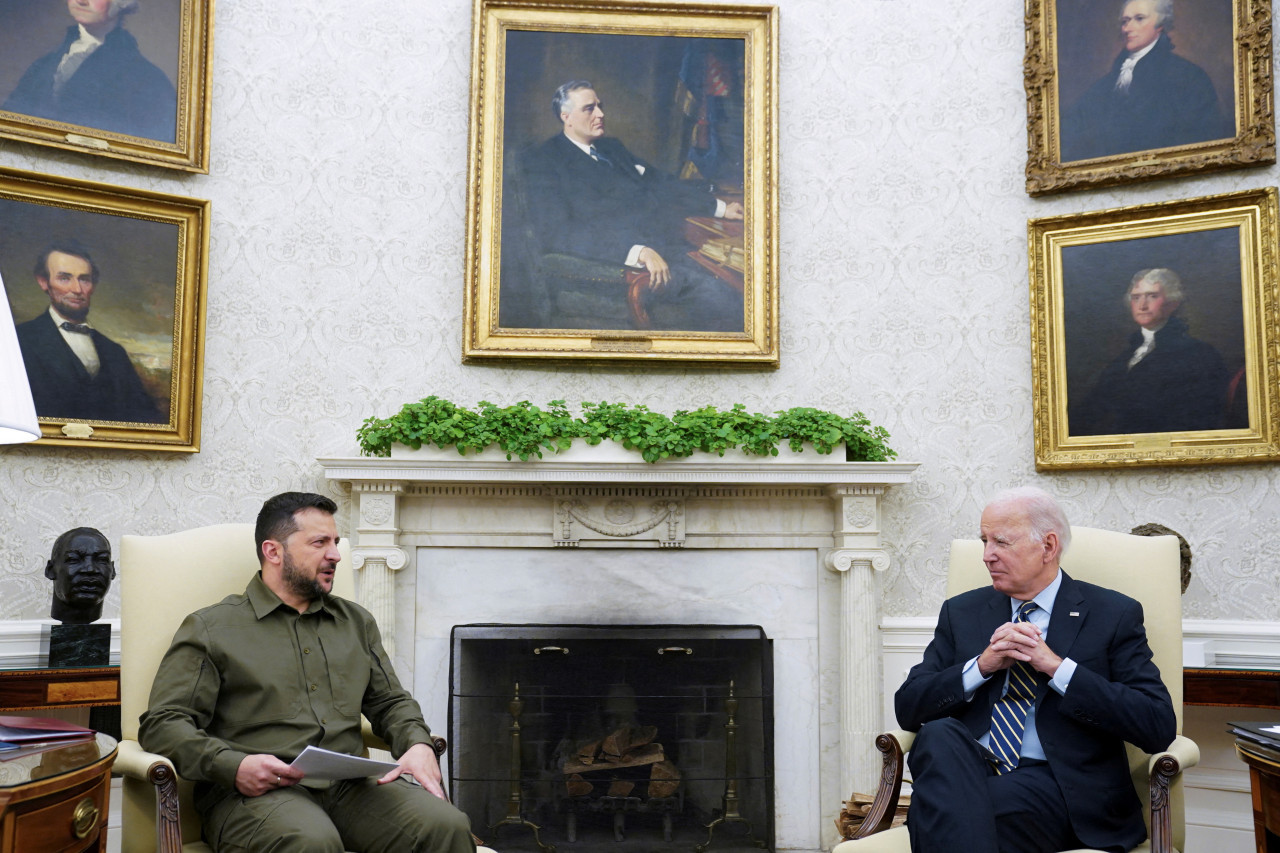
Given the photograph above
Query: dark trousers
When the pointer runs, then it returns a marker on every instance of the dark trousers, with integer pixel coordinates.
(959, 803)
(694, 301)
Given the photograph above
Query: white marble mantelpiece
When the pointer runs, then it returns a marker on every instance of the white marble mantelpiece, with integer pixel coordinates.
(791, 545)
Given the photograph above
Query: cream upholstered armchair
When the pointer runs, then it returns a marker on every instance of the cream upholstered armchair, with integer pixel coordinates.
(162, 579)
(1142, 567)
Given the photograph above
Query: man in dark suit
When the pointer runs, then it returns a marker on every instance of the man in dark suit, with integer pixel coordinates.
(593, 198)
(988, 776)
(1164, 380)
(98, 78)
(1151, 98)
(75, 371)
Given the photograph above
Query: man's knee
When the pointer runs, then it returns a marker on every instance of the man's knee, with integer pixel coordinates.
(947, 738)
(447, 829)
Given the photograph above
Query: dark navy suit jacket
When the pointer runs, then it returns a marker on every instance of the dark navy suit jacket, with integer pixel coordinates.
(1115, 695)
(63, 389)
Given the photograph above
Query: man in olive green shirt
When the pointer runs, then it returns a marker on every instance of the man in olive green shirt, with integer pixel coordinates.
(250, 682)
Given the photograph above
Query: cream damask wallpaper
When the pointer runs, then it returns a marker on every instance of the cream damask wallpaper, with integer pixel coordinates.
(335, 284)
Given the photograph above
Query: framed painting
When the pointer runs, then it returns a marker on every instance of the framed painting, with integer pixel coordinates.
(106, 287)
(115, 78)
(623, 170)
(1150, 333)
(1116, 93)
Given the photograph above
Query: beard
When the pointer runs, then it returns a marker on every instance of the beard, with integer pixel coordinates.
(307, 588)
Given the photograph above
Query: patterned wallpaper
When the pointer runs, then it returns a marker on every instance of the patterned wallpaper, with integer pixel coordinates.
(335, 284)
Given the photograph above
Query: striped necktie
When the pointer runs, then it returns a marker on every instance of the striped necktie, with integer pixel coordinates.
(1009, 714)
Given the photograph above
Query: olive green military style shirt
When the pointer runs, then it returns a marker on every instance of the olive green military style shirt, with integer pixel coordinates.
(252, 675)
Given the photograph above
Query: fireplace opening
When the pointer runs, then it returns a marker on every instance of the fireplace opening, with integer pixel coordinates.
(622, 738)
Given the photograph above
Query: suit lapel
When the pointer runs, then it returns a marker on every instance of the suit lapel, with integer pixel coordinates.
(1063, 626)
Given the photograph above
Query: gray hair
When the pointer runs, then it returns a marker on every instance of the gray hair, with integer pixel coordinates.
(1044, 514)
(123, 7)
(1168, 280)
(561, 98)
(1164, 13)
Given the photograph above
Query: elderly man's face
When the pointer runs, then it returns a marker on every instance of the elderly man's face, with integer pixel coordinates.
(82, 571)
(583, 116)
(1019, 565)
(69, 285)
(1150, 307)
(1138, 24)
(92, 14)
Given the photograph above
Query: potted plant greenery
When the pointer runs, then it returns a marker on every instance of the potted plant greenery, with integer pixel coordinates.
(523, 430)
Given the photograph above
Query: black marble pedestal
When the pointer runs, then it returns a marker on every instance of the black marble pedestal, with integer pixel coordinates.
(79, 645)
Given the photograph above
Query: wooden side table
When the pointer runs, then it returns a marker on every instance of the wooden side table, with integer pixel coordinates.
(56, 801)
(1225, 686)
(78, 687)
(1264, 784)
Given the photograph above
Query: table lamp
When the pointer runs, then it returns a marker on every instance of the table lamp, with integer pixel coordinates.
(18, 421)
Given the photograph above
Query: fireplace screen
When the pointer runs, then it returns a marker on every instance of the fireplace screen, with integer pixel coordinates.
(620, 738)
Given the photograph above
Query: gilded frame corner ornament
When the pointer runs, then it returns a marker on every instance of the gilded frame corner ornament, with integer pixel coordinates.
(516, 285)
(190, 27)
(151, 250)
(1222, 405)
(1063, 155)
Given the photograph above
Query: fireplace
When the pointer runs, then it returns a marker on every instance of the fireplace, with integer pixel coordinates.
(794, 547)
(613, 737)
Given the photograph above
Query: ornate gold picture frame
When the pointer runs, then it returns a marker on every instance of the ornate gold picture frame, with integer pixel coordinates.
(133, 84)
(107, 290)
(623, 170)
(1152, 334)
(1117, 94)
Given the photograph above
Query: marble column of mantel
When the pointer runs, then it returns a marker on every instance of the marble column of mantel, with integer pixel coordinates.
(850, 543)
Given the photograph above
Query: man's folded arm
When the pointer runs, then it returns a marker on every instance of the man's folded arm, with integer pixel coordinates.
(1131, 702)
(183, 695)
(393, 713)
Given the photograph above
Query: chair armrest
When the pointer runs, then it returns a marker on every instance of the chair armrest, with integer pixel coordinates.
(892, 745)
(136, 763)
(372, 741)
(1164, 768)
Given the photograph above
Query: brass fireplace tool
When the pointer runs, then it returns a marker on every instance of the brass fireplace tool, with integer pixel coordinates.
(731, 813)
(515, 800)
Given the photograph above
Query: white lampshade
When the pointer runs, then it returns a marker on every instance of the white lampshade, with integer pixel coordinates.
(18, 421)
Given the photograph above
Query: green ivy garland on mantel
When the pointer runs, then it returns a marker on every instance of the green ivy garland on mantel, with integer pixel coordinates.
(523, 430)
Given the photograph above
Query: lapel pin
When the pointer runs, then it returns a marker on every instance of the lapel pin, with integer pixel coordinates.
(1074, 613)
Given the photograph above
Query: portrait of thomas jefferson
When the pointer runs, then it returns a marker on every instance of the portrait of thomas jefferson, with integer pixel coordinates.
(1159, 348)
(1151, 95)
(83, 62)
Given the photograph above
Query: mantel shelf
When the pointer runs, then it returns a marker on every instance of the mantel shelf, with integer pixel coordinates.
(727, 472)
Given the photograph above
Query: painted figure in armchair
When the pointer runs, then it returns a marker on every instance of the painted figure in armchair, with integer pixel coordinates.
(81, 570)
(1025, 699)
(251, 681)
(595, 199)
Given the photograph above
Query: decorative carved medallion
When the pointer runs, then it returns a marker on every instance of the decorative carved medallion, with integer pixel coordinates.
(577, 518)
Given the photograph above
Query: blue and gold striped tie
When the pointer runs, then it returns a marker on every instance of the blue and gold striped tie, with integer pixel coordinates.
(1009, 715)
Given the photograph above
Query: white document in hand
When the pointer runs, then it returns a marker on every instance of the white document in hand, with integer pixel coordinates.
(320, 763)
